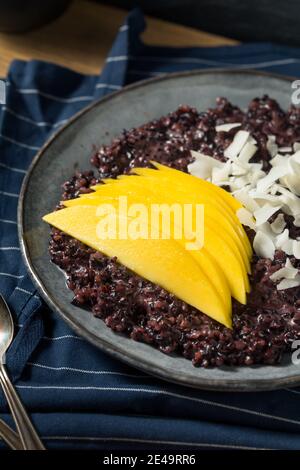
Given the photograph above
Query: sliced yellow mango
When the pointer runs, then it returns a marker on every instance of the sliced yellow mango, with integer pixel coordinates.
(145, 187)
(165, 263)
(231, 201)
(226, 257)
(190, 185)
(202, 256)
(217, 270)
(193, 185)
(180, 183)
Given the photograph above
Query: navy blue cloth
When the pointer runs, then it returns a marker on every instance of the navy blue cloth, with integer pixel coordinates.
(79, 396)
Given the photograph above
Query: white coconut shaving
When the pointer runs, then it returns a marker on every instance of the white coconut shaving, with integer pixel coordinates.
(279, 224)
(203, 165)
(262, 194)
(227, 127)
(296, 249)
(296, 146)
(297, 220)
(274, 174)
(288, 283)
(291, 179)
(263, 245)
(247, 152)
(239, 140)
(272, 147)
(263, 214)
(288, 276)
(287, 272)
(246, 217)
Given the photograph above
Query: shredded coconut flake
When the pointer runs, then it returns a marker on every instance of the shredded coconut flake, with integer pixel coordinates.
(203, 165)
(296, 146)
(262, 194)
(282, 238)
(289, 283)
(288, 276)
(263, 245)
(220, 175)
(287, 272)
(237, 144)
(227, 127)
(247, 152)
(271, 145)
(245, 217)
(279, 224)
(274, 174)
(248, 201)
(263, 214)
(296, 249)
(297, 220)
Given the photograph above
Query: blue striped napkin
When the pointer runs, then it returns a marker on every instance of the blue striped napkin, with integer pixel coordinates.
(79, 396)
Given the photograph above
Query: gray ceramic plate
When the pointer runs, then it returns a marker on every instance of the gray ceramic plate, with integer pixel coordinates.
(71, 148)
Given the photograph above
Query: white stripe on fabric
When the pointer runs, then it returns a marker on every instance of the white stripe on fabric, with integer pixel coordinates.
(163, 392)
(258, 65)
(60, 123)
(12, 168)
(6, 221)
(35, 91)
(233, 66)
(5, 193)
(9, 248)
(84, 371)
(147, 74)
(124, 27)
(184, 60)
(151, 441)
(31, 121)
(106, 85)
(21, 144)
(20, 289)
(58, 338)
(297, 392)
(117, 58)
(11, 275)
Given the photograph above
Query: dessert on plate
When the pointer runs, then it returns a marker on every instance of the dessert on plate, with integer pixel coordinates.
(236, 299)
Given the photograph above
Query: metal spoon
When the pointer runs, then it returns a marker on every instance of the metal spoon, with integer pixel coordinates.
(28, 435)
(10, 437)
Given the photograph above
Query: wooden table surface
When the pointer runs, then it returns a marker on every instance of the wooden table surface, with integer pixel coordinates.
(81, 38)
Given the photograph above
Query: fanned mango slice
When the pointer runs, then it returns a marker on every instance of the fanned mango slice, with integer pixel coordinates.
(167, 192)
(165, 262)
(205, 278)
(203, 257)
(138, 186)
(194, 186)
(222, 250)
(231, 201)
(197, 187)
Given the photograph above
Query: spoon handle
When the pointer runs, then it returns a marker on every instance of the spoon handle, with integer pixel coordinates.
(28, 435)
(10, 437)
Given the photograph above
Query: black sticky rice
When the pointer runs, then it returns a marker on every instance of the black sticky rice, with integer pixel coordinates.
(263, 329)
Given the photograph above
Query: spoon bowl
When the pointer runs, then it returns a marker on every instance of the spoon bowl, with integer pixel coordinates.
(6, 328)
(28, 435)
